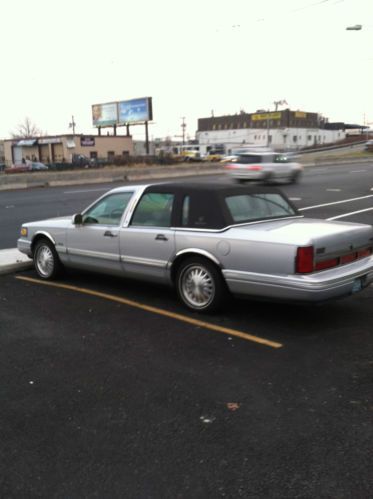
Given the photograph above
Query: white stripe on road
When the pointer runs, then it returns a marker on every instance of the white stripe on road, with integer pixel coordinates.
(335, 202)
(334, 190)
(350, 214)
(295, 199)
(358, 171)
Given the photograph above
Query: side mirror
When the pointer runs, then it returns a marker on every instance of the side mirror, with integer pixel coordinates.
(77, 219)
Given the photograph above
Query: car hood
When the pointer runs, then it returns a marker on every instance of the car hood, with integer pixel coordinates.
(51, 222)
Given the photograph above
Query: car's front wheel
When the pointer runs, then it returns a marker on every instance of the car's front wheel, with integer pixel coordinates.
(200, 285)
(46, 261)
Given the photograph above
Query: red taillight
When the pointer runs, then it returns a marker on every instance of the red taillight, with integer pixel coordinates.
(364, 253)
(349, 258)
(327, 264)
(255, 168)
(304, 261)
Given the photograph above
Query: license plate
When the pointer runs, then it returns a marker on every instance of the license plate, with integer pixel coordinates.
(357, 285)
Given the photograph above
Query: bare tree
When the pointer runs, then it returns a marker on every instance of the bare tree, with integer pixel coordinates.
(26, 130)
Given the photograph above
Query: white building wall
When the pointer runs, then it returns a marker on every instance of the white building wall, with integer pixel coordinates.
(281, 139)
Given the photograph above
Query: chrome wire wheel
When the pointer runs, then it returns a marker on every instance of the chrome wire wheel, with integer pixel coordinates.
(44, 261)
(197, 286)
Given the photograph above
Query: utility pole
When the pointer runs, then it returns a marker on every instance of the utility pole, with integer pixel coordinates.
(72, 124)
(183, 127)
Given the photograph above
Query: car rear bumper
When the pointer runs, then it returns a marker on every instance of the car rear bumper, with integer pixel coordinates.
(322, 286)
(247, 174)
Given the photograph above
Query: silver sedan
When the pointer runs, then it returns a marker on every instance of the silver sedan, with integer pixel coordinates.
(206, 241)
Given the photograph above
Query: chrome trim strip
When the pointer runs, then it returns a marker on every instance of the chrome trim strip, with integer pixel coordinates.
(94, 254)
(198, 251)
(192, 229)
(143, 261)
(46, 234)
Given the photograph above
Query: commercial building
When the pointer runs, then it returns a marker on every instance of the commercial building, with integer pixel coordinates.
(1, 151)
(63, 148)
(282, 130)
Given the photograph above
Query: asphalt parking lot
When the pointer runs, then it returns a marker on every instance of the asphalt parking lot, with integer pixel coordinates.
(103, 396)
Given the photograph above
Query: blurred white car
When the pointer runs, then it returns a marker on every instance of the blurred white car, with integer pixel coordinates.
(266, 166)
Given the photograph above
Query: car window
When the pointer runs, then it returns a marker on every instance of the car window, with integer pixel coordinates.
(247, 207)
(248, 159)
(154, 210)
(109, 210)
(282, 158)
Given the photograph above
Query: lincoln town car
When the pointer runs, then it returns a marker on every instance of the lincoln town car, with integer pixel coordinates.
(207, 241)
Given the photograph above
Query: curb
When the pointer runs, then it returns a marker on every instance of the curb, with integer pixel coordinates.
(12, 260)
(15, 267)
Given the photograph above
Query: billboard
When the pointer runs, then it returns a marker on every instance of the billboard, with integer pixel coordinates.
(135, 110)
(105, 114)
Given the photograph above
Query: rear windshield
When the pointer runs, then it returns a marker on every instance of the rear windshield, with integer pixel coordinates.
(249, 159)
(249, 207)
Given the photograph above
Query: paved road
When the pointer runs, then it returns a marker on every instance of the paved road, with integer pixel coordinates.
(319, 185)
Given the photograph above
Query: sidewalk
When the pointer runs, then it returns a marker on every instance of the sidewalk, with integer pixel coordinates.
(12, 260)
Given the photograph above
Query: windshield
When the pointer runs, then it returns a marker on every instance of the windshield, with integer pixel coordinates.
(283, 158)
(249, 207)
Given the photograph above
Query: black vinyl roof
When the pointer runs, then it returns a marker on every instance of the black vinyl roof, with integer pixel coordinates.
(207, 208)
(223, 188)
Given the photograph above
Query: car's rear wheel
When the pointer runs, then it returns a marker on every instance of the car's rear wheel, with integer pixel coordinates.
(46, 261)
(200, 285)
(294, 177)
(268, 178)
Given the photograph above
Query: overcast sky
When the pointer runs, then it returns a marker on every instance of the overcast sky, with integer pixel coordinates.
(192, 56)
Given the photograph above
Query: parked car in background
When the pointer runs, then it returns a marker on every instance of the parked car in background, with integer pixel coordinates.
(37, 166)
(369, 145)
(81, 160)
(26, 166)
(207, 240)
(18, 167)
(214, 155)
(267, 166)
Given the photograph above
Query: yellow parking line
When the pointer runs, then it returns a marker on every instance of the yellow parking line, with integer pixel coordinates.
(159, 311)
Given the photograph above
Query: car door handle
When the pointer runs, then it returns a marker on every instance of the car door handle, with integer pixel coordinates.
(108, 233)
(161, 237)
